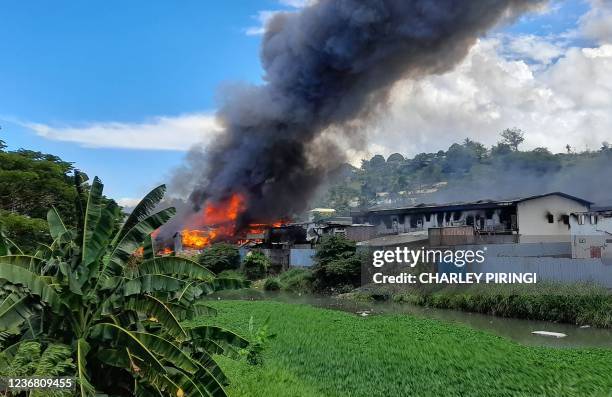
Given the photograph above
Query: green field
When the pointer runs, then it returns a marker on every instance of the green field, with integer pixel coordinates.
(320, 352)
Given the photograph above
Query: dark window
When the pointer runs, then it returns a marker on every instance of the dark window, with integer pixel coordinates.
(565, 219)
(428, 217)
(551, 218)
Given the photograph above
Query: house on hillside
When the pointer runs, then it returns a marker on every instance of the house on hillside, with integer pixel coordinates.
(544, 217)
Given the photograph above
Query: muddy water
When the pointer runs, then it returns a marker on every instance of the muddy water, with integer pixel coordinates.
(515, 329)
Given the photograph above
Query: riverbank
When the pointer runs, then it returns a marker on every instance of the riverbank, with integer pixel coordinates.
(320, 352)
(580, 304)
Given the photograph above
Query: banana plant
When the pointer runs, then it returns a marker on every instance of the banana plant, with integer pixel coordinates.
(121, 318)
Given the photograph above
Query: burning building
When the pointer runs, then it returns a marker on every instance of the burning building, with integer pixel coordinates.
(328, 68)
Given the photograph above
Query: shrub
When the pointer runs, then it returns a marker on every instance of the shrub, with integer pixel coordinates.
(272, 284)
(337, 264)
(255, 265)
(297, 280)
(219, 257)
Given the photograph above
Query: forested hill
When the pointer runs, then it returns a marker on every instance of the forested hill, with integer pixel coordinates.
(471, 171)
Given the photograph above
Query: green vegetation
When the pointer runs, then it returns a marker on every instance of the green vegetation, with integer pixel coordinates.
(31, 183)
(29, 359)
(220, 257)
(26, 232)
(338, 267)
(296, 280)
(82, 302)
(568, 303)
(272, 284)
(467, 168)
(292, 280)
(255, 265)
(320, 352)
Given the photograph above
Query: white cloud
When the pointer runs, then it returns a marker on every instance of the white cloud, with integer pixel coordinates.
(128, 203)
(161, 133)
(262, 17)
(532, 48)
(597, 23)
(297, 3)
(565, 102)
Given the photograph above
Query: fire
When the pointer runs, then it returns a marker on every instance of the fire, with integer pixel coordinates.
(197, 239)
(166, 251)
(218, 221)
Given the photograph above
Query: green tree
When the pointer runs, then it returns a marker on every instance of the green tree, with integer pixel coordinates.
(25, 232)
(337, 263)
(219, 257)
(122, 323)
(513, 137)
(255, 265)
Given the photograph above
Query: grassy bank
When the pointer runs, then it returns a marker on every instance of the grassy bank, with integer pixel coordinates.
(580, 304)
(321, 352)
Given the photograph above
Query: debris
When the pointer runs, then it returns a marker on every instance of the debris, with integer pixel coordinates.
(585, 326)
(548, 333)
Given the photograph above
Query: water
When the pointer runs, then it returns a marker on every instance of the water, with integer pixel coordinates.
(515, 329)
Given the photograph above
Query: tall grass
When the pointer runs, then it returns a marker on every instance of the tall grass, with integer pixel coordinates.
(569, 303)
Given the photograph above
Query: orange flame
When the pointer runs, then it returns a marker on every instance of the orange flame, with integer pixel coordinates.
(166, 251)
(218, 220)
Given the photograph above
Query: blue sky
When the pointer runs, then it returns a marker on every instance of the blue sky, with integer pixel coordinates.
(119, 65)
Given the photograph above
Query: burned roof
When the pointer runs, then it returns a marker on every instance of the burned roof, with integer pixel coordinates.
(467, 205)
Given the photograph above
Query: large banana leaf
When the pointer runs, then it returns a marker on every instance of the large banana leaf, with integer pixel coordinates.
(19, 276)
(167, 351)
(92, 214)
(150, 283)
(148, 251)
(142, 210)
(85, 387)
(125, 338)
(155, 308)
(56, 224)
(175, 266)
(100, 237)
(32, 263)
(217, 334)
(133, 239)
(14, 310)
(194, 290)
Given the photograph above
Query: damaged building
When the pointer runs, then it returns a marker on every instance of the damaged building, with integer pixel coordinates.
(533, 218)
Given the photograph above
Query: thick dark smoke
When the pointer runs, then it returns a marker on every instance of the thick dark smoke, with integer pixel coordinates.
(326, 67)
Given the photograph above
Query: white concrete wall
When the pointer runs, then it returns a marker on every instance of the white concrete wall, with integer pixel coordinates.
(533, 223)
(592, 233)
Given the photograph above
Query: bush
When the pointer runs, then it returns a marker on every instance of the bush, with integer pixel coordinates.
(219, 257)
(255, 265)
(297, 280)
(337, 264)
(272, 284)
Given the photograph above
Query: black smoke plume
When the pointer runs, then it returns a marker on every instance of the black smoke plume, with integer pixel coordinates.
(328, 67)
